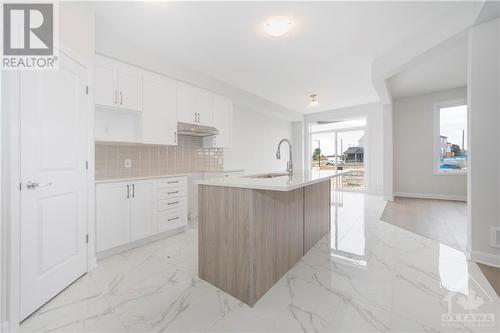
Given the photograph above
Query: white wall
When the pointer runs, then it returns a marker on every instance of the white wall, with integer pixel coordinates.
(374, 141)
(413, 123)
(76, 28)
(255, 139)
(258, 124)
(484, 141)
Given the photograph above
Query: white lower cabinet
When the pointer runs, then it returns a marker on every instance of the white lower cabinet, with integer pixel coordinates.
(142, 209)
(112, 215)
(135, 210)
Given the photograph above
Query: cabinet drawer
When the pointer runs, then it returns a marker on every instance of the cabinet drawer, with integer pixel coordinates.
(171, 203)
(172, 182)
(171, 219)
(171, 192)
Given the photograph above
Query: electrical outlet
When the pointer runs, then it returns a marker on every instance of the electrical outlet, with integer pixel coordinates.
(128, 163)
(495, 237)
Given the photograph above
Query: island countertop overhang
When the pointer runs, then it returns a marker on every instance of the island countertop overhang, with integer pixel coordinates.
(283, 183)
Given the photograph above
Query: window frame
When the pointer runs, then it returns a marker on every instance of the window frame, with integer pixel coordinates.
(437, 136)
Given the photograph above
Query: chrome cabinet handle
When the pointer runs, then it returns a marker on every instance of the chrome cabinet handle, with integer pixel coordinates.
(30, 185)
(121, 98)
(128, 191)
(173, 192)
(133, 190)
(173, 203)
(173, 182)
(173, 218)
(116, 97)
(195, 117)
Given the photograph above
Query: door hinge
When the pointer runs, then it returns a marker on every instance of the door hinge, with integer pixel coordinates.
(86, 90)
(87, 165)
(87, 238)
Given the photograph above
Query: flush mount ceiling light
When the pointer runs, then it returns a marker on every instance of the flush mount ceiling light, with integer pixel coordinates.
(278, 26)
(313, 102)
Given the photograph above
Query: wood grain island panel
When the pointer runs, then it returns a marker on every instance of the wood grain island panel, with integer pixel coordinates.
(249, 238)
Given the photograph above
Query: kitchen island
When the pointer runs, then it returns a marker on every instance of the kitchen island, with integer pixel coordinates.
(253, 229)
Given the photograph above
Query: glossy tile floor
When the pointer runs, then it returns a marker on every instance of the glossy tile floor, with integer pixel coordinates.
(365, 276)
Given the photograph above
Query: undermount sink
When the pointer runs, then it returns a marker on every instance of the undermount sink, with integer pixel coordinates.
(268, 175)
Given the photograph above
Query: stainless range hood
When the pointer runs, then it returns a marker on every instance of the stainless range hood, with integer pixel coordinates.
(196, 130)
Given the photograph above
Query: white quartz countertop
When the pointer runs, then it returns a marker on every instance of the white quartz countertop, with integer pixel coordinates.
(185, 174)
(282, 183)
(118, 180)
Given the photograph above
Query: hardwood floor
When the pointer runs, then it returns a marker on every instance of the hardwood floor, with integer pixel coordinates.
(492, 275)
(441, 220)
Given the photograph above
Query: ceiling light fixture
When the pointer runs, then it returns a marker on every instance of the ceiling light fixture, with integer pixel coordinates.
(278, 26)
(313, 102)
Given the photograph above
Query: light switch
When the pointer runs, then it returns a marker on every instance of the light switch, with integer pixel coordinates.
(128, 163)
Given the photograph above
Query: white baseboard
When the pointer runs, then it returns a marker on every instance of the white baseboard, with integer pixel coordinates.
(485, 258)
(431, 196)
(140, 242)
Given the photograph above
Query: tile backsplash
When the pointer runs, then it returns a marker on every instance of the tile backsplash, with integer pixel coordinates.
(156, 160)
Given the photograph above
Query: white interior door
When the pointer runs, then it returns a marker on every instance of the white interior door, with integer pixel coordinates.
(53, 111)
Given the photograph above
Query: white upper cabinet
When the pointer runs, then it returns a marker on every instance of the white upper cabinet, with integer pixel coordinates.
(117, 84)
(106, 82)
(194, 105)
(130, 85)
(222, 119)
(159, 122)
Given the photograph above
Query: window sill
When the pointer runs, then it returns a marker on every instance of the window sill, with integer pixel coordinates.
(450, 173)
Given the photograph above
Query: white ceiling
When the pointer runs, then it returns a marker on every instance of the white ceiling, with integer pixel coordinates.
(328, 51)
(446, 70)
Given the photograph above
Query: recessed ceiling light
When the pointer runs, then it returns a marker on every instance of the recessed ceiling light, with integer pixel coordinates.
(278, 26)
(313, 102)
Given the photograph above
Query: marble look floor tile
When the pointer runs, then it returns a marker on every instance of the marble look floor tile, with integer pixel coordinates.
(80, 308)
(364, 276)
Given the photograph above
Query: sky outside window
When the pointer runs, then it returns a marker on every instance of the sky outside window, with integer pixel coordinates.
(453, 122)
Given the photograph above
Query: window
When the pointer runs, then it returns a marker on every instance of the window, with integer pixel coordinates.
(451, 147)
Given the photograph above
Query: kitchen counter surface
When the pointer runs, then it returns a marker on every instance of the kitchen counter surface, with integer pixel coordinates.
(282, 183)
(128, 179)
(185, 174)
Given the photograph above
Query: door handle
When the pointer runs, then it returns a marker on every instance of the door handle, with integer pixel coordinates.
(30, 185)
(128, 191)
(121, 98)
(133, 190)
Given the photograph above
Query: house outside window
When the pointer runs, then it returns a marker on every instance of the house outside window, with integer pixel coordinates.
(451, 138)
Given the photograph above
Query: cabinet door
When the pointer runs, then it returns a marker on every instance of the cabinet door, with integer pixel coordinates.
(106, 82)
(223, 121)
(112, 215)
(142, 209)
(159, 113)
(130, 87)
(186, 104)
(204, 107)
